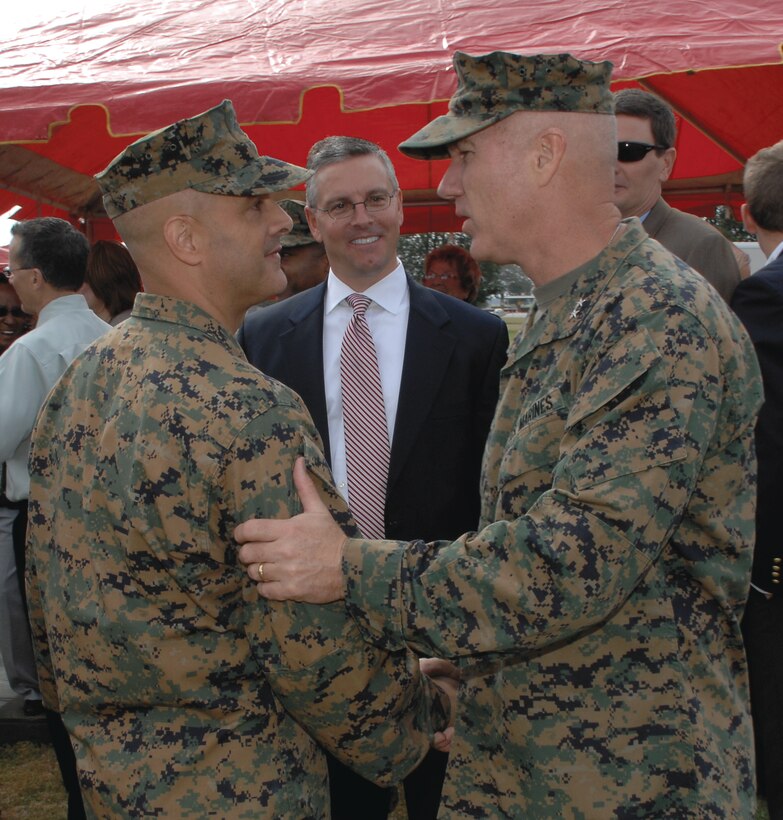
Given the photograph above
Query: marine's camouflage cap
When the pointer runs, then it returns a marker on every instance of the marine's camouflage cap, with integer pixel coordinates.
(208, 153)
(494, 86)
(300, 234)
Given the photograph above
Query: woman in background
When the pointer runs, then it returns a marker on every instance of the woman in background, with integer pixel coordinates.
(112, 281)
(451, 269)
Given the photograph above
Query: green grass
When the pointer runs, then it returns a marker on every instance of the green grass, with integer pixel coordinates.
(30, 785)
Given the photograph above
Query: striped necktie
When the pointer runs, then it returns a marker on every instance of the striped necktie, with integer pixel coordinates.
(364, 417)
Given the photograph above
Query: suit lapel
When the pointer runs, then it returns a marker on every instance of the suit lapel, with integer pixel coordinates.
(428, 350)
(301, 344)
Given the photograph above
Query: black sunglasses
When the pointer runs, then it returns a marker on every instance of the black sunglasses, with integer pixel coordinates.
(16, 312)
(634, 151)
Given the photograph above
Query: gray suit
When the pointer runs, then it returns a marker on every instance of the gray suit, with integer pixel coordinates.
(696, 242)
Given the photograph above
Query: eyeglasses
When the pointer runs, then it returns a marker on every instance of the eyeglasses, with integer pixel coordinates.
(7, 271)
(16, 312)
(635, 151)
(374, 202)
(439, 277)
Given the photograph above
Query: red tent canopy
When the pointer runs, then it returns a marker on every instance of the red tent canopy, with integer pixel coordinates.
(75, 89)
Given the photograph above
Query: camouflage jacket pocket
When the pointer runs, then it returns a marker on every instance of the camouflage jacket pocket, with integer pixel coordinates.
(531, 454)
(623, 419)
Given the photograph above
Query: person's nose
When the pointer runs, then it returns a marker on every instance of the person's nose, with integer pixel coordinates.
(450, 186)
(360, 215)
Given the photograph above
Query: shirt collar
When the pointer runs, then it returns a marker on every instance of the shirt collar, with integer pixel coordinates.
(62, 304)
(570, 298)
(390, 293)
(776, 253)
(151, 306)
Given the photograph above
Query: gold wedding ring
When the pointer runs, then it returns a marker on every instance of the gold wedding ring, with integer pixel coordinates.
(261, 572)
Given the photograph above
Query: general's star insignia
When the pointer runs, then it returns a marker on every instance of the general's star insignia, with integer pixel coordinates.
(579, 306)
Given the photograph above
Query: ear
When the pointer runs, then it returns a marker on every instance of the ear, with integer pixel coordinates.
(180, 233)
(37, 281)
(669, 156)
(312, 221)
(549, 149)
(749, 223)
(399, 207)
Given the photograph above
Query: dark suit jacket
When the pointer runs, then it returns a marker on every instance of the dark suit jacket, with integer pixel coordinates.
(448, 392)
(696, 242)
(758, 301)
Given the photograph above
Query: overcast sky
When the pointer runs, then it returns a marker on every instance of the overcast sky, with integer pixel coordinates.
(5, 228)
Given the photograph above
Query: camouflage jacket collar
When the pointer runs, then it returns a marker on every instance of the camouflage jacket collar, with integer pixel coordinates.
(566, 314)
(156, 308)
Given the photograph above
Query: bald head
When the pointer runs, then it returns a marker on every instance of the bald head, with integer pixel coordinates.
(527, 181)
(571, 160)
(166, 239)
(591, 155)
(220, 252)
(143, 228)
(584, 145)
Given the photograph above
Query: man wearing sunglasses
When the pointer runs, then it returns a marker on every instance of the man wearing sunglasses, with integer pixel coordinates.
(595, 615)
(646, 154)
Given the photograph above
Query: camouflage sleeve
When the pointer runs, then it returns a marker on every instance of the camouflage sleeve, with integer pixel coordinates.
(372, 708)
(626, 461)
(43, 662)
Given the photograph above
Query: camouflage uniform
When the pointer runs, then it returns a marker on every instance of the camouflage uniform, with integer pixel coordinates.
(180, 688)
(299, 234)
(596, 621)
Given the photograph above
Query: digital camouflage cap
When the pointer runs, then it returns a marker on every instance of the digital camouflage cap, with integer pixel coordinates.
(494, 86)
(300, 234)
(208, 153)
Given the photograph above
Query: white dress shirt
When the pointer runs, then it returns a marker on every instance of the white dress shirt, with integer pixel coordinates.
(28, 371)
(387, 318)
